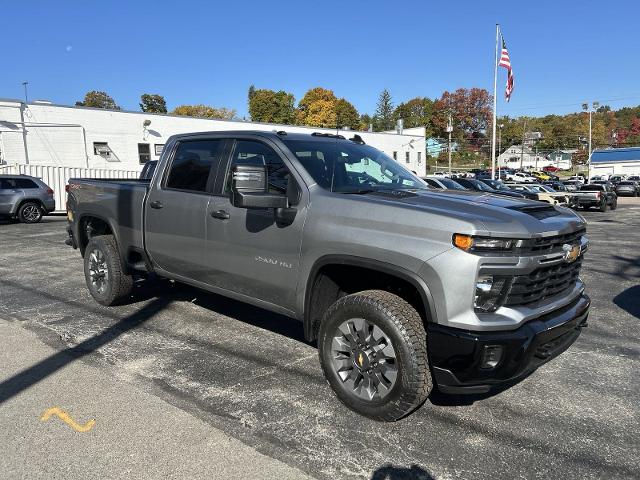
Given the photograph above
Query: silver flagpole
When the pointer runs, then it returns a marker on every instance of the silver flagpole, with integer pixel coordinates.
(495, 88)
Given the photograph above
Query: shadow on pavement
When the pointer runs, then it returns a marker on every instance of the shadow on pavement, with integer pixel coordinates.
(32, 375)
(629, 300)
(391, 472)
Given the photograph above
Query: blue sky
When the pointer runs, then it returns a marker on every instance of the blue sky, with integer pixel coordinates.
(562, 52)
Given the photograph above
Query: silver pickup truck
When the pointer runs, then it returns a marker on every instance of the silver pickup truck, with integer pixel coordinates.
(402, 287)
(596, 195)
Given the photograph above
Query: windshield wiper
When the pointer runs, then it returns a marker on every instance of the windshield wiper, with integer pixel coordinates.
(358, 192)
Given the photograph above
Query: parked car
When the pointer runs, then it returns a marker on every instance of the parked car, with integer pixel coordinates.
(578, 178)
(443, 183)
(25, 198)
(521, 177)
(634, 178)
(628, 188)
(550, 168)
(615, 179)
(542, 193)
(378, 268)
(541, 176)
(483, 186)
(501, 189)
(572, 185)
(594, 195)
(557, 186)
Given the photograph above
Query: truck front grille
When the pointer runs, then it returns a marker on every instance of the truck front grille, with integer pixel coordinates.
(542, 283)
(554, 243)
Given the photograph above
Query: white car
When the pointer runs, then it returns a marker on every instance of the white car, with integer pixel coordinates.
(577, 178)
(521, 177)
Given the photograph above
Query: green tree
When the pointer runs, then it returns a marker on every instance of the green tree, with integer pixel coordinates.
(417, 112)
(273, 107)
(153, 103)
(346, 115)
(98, 99)
(383, 118)
(365, 122)
(204, 111)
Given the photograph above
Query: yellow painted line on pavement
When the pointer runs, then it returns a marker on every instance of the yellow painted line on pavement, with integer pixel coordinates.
(64, 416)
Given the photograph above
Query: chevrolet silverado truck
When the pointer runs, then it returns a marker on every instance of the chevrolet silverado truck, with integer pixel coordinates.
(596, 195)
(403, 288)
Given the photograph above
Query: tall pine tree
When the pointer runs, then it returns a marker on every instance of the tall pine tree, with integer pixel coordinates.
(383, 118)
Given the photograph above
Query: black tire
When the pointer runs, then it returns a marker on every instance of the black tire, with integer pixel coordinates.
(30, 212)
(603, 206)
(614, 204)
(400, 324)
(106, 281)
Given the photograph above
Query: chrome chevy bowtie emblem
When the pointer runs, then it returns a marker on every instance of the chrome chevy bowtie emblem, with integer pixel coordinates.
(571, 252)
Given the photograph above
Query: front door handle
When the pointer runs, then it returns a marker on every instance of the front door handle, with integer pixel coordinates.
(221, 214)
(157, 204)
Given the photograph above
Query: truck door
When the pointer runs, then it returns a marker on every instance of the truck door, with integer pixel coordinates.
(246, 251)
(176, 208)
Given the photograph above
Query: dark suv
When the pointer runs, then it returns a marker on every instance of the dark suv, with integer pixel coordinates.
(25, 198)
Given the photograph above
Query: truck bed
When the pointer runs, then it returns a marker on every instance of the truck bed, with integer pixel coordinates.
(119, 201)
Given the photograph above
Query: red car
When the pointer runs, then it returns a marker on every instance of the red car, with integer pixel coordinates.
(550, 168)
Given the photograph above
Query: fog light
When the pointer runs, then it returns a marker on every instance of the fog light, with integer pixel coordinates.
(489, 292)
(491, 356)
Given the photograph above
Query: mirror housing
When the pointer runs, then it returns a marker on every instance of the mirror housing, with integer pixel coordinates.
(250, 189)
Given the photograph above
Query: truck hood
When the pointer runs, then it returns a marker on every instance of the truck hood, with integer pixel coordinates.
(489, 214)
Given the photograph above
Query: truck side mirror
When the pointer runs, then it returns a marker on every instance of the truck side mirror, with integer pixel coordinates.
(250, 189)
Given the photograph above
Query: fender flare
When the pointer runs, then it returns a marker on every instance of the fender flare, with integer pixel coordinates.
(387, 268)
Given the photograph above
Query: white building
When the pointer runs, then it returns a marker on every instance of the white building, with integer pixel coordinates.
(41, 133)
(616, 161)
(517, 156)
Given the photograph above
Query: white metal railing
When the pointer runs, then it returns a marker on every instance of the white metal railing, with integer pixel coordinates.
(57, 177)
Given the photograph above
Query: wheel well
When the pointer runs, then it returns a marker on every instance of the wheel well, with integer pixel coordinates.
(91, 227)
(338, 280)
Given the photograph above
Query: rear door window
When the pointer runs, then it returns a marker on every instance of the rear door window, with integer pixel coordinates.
(195, 162)
(25, 183)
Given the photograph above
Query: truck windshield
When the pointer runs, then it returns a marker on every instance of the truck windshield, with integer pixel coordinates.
(348, 167)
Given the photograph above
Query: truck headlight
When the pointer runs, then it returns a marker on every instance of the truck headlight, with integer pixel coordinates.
(490, 292)
(470, 243)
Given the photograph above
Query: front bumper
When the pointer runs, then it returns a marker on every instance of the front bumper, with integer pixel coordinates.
(456, 355)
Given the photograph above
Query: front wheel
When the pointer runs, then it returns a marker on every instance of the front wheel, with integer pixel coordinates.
(106, 281)
(373, 352)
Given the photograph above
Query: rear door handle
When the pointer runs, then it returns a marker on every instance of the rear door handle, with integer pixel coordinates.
(221, 214)
(156, 204)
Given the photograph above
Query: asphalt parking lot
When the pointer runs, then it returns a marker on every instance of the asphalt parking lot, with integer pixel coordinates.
(183, 383)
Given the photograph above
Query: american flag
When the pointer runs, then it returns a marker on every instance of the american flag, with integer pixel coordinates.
(506, 63)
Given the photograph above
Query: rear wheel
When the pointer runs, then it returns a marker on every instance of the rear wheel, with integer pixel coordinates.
(30, 212)
(614, 205)
(373, 352)
(603, 206)
(106, 281)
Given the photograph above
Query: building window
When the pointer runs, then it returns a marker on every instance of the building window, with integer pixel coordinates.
(395, 155)
(144, 152)
(419, 158)
(101, 148)
(407, 157)
(158, 148)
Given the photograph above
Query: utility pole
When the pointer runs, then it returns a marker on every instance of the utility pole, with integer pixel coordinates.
(594, 106)
(26, 98)
(449, 130)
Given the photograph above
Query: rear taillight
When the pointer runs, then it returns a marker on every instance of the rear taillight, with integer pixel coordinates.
(598, 195)
(49, 191)
(66, 188)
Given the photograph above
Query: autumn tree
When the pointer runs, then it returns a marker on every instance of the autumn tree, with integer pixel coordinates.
(270, 106)
(383, 118)
(317, 108)
(98, 99)
(470, 110)
(204, 111)
(153, 103)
